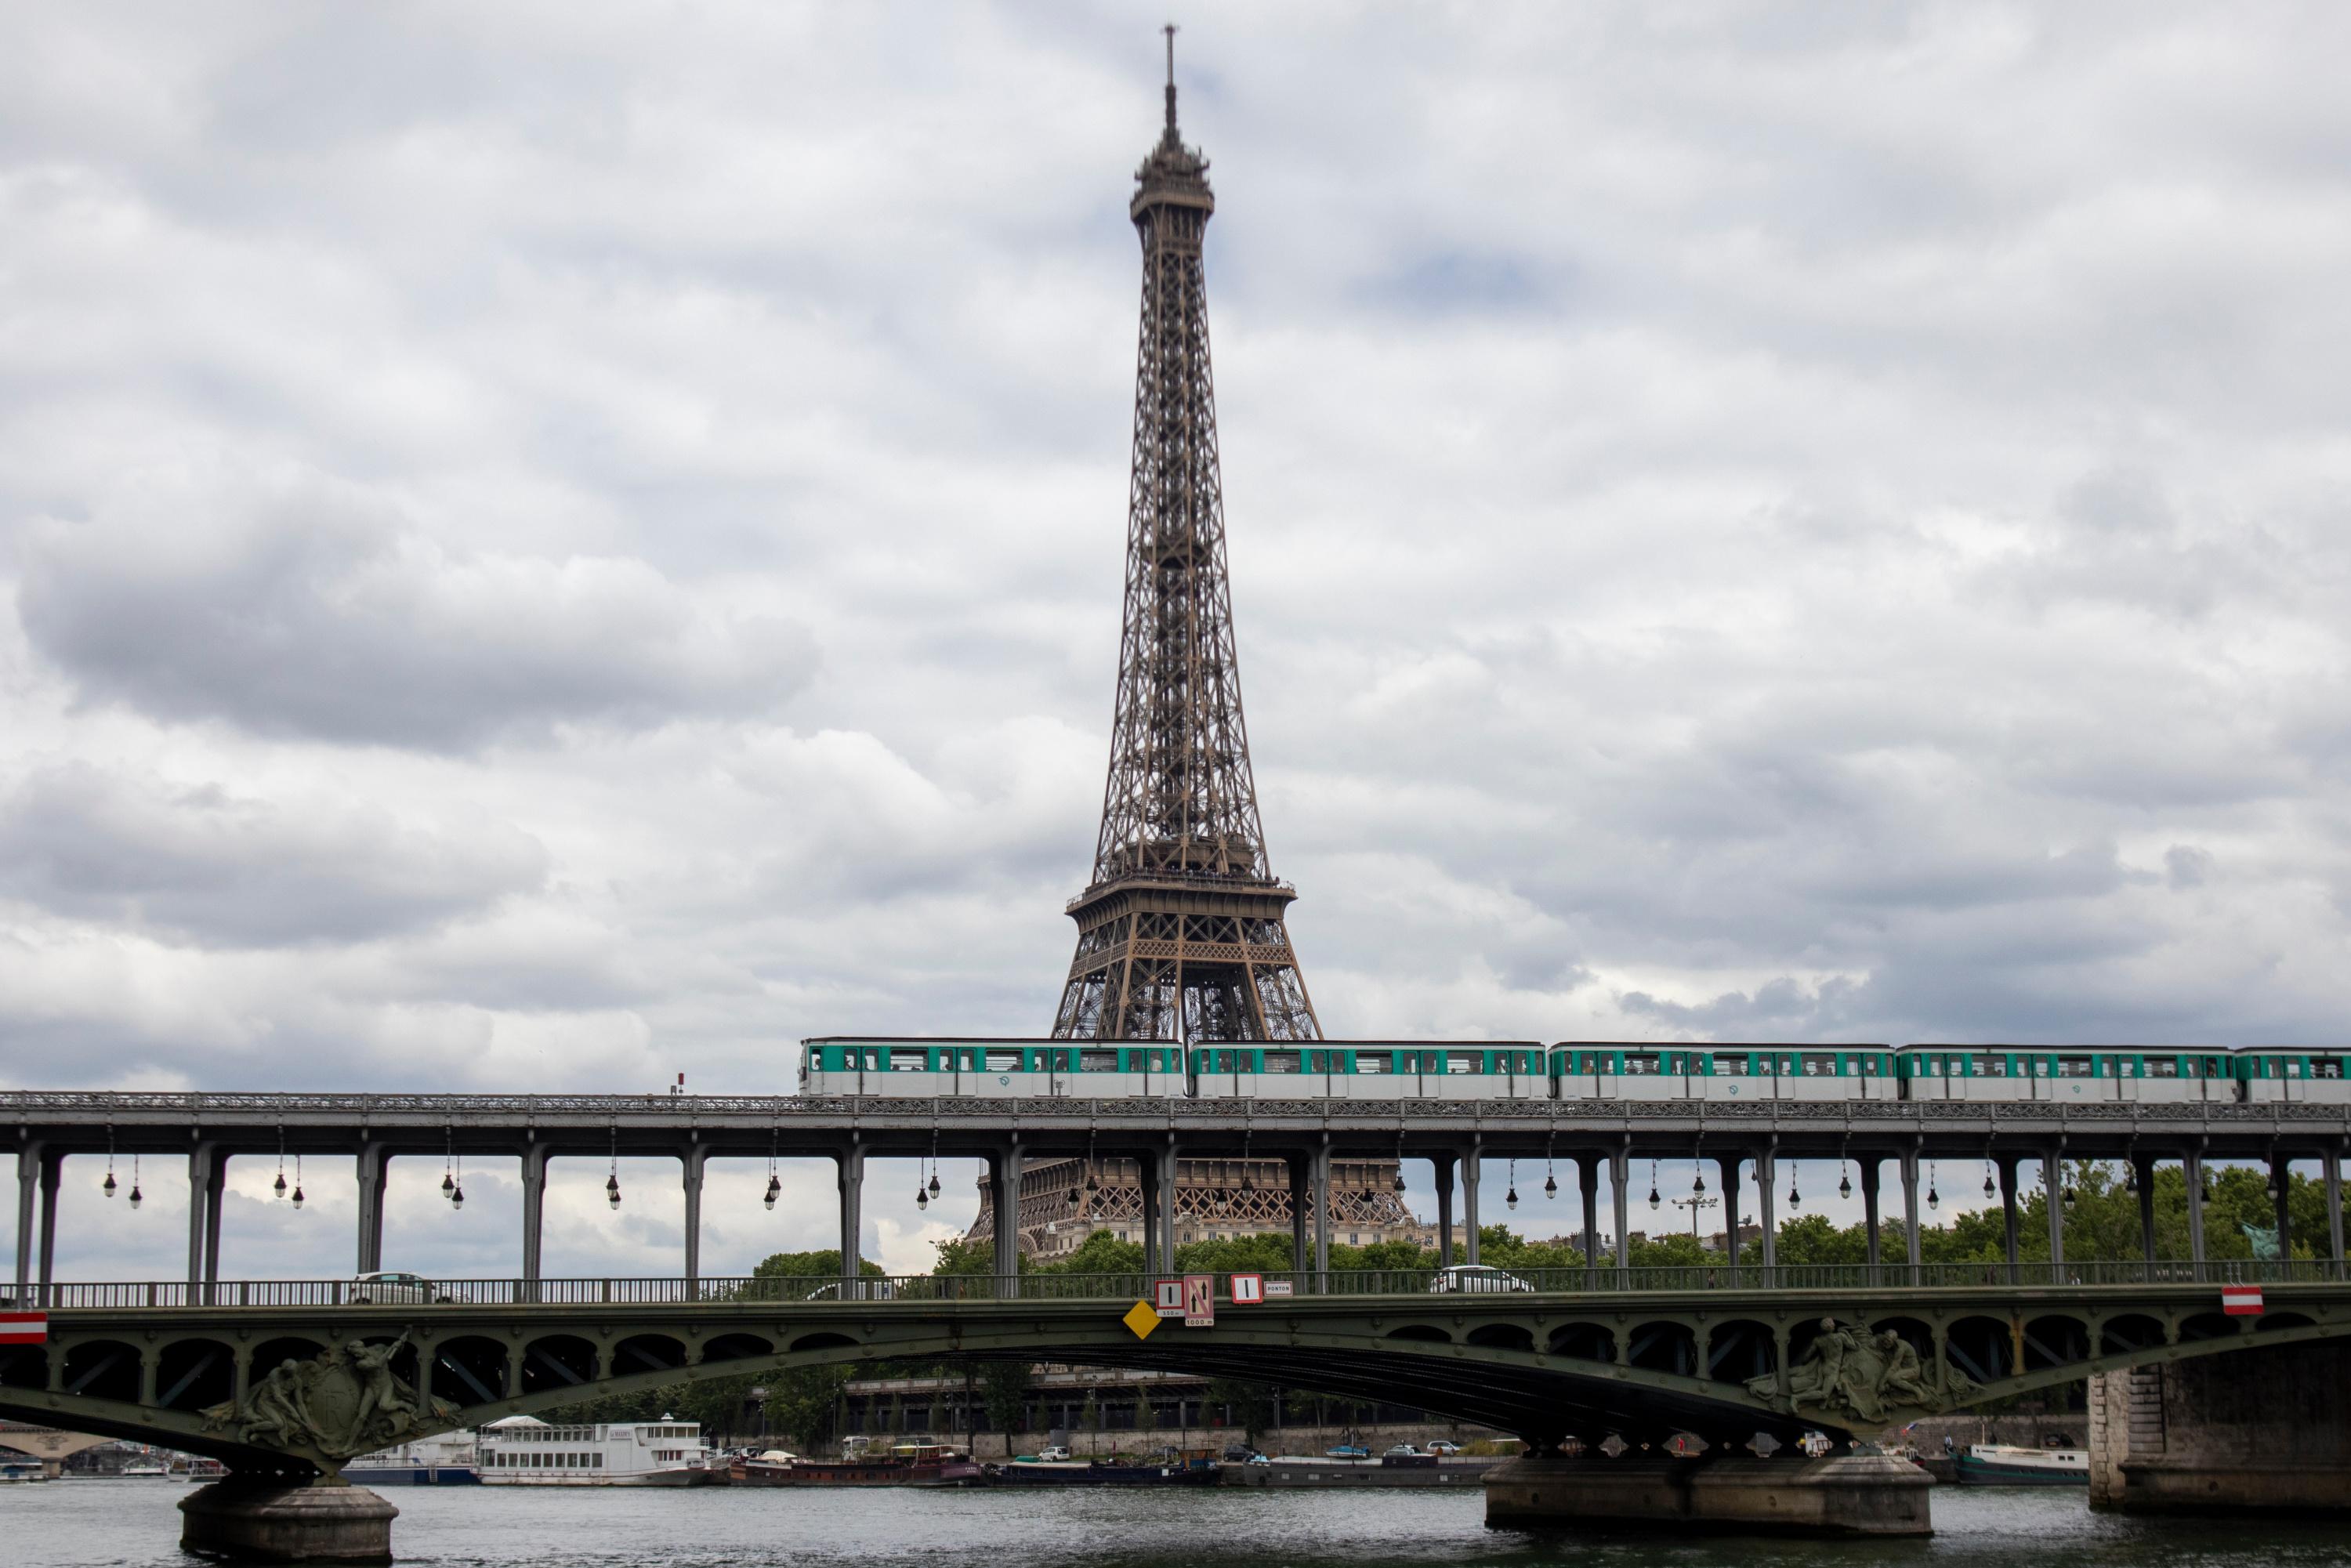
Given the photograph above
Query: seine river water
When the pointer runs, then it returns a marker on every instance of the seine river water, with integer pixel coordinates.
(132, 1524)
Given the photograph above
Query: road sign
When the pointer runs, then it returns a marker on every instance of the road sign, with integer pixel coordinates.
(1248, 1290)
(1278, 1288)
(1170, 1293)
(24, 1328)
(2241, 1301)
(1200, 1301)
(1142, 1319)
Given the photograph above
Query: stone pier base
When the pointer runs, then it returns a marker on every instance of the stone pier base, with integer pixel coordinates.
(269, 1522)
(2266, 1430)
(1848, 1495)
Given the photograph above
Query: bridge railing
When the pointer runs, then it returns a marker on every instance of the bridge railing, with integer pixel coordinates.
(1482, 1279)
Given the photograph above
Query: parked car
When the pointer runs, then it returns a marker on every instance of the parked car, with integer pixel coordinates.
(1346, 1451)
(1474, 1278)
(1443, 1449)
(1404, 1451)
(1054, 1454)
(387, 1288)
(1240, 1454)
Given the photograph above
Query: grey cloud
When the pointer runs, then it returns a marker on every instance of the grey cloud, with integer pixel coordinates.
(294, 606)
(210, 865)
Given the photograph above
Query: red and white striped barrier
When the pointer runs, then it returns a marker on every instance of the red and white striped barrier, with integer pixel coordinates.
(2241, 1301)
(24, 1328)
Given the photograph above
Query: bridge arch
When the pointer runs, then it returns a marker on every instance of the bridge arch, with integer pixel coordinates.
(649, 1352)
(2054, 1339)
(1663, 1346)
(808, 1344)
(2209, 1325)
(103, 1369)
(558, 1361)
(1503, 1336)
(468, 1369)
(1739, 1348)
(1420, 1333)
(729, 1347)
(193, 1372)
(1584, 1341)
(1982, 1347)
(2127, 1332)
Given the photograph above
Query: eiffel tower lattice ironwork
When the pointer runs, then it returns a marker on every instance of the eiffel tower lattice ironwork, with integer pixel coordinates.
(1181, 932)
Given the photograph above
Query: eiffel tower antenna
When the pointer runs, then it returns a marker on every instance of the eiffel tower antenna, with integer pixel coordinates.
(1181, 932)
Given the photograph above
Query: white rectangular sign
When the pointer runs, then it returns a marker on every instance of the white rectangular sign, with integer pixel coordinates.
(1170, 1297)
(1248, 1290)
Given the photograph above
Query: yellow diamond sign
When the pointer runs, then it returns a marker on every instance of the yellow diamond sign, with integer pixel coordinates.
(1142, 1317)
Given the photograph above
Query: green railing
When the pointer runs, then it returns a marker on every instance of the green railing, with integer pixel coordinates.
(1274, 1288)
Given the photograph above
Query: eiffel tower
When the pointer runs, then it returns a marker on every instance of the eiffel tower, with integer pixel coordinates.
(1181, 934)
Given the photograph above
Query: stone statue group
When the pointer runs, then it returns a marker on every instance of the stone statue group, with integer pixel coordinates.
(1850, 1369)
(341, 1401)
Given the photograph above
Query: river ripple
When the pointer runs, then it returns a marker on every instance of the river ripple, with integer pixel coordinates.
(132, 1524)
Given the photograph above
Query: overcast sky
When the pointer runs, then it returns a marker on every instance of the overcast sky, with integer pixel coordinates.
(546, 546)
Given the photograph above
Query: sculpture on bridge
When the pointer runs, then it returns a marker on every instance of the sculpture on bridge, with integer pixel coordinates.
(341, 1401)
(1852, 1371)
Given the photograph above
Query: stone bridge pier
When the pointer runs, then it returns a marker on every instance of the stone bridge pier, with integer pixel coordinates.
(2266, 1430)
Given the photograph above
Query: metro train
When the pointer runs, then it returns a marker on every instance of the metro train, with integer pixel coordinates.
(1569, 1071)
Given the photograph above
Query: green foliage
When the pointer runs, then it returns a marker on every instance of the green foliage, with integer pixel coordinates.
(1004, 1394)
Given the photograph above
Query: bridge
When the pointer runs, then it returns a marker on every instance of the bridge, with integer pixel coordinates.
(286, 1379)
(1744, 1140)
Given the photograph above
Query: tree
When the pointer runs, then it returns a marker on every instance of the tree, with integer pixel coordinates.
(1004, 1387)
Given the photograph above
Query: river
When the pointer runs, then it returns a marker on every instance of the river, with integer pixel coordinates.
(134, 1524)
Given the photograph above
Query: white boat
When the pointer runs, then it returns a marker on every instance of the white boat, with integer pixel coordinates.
(2013, 1464)
(524, 1451)
(145, 1470)
(446, 1460)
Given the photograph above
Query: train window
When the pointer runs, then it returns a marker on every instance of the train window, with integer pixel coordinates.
(1003, 1061)
(1734, 1066)
(1987, 1066)
(1765, 1066)
(1374, 1062)
(2325, 1067)
(2293, 1067)
(2213, 1068)
(1638, 1062)
(2072, 1067)
(1820, 1067)
(873, 1061)
(910, 1062)
(1279, 1061)
(1097, 1061)
(1461, 1062)
(1870, 1067)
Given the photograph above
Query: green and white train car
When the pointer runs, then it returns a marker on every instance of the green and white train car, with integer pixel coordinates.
(1592, 1069)
(2318, 1074)
(991, 1069)
(2070, 1074)
(1372, 1069)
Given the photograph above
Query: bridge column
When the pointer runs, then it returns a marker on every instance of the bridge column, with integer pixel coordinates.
(29, 1180)
(1300, 1257)
(1910, 1211)
(2279, 1173)
(1322, 1218)
(215, 1198)
(2191, 1166)
(850, 1179)
(1587, 1182)
(2334, 1207)
(374, 1165)
(52, 1166)
(1470, 1176)
(2052, 1177)
(2006, 1165)
(1165, 1159)
(1870, 1222)
(1443, 1166)
(1619, 1172)
(694, 1159)
(2249, 1433)
(1727, 1167)
(1147, 1171)
(1766, 1181)
(2143, 1173)
(533, 1216)
(200, 1177)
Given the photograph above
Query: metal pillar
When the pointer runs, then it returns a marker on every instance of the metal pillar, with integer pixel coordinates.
(695, 1157)
(850, 1165)
(2053, 1167)
(1470, 1173)
(215, 1196)
(1619, 1164)
(2143, 1173)
(1444, 1164)
(29, 1180)
(1727, 1166)
(1146, 1165)
(1322, 1218)
(533, 1216)
(2335, 1208)
(373, 1165)
(1910, 1210)
(1870, 1220)
(2006, 1165)
(1766, 1181)
(200, 1177)
(1168, 1207)
(1301, 1260)
(52, 1167)
(1587, 1180)
(2280, 1173)
(2191, 1166)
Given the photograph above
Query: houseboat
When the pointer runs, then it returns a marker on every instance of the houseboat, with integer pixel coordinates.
(523, 1451)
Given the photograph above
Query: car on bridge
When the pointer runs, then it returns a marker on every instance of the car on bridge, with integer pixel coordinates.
(1475, 1278)
(388, 1287)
